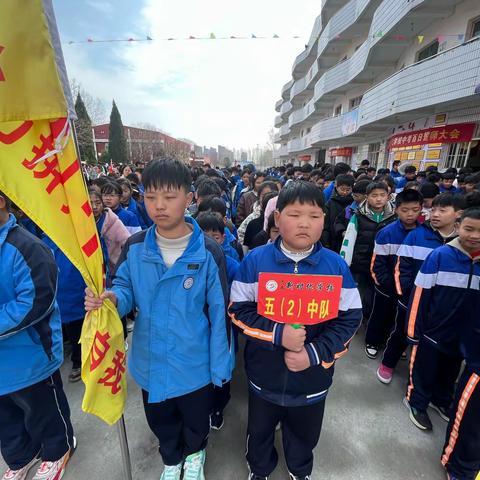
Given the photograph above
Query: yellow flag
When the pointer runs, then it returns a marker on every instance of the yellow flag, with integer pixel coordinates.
(40, 172)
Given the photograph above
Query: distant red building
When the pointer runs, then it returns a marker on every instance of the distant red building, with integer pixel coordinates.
(142, 145)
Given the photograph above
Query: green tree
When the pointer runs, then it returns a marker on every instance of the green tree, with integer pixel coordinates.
(117, 143)
(83, 129)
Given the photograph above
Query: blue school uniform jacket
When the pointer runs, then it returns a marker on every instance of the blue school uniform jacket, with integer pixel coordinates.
(445, 303)
(414, 250)
(181, 335)
(128, 218)
(31, 347)
(387, 243)
(71, 294)
(267, 372)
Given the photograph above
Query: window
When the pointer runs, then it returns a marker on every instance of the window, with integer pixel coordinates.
(373, 154)
(428, 51)
(474, 28)
(338, 111)
(457, 155)
(355, 102)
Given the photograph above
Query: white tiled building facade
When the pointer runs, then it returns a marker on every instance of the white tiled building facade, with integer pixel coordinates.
(379, 77)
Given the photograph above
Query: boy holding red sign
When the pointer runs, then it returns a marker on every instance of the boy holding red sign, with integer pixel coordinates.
(290, 369)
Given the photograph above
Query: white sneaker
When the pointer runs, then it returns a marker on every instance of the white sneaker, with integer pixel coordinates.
(55, 470)
(20, 474)
(172, 472)
(194, 466)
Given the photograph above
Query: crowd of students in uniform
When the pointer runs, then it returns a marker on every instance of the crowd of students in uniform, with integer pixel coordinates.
(183, 248)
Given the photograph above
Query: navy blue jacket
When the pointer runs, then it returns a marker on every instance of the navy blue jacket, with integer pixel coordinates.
(264, 355)
(387, 243)
(445, 304)
(413, 251)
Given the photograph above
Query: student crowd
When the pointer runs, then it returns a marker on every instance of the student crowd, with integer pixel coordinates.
(183, 249)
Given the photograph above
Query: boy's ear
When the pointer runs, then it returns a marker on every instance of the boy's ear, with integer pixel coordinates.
(225, 220)
(190, 197)
(3, 203)
(276, 216)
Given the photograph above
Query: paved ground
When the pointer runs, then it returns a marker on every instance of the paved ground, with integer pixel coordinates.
(366, 435)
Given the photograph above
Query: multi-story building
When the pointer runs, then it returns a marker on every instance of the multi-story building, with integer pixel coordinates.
(384, 80)
(143, 145)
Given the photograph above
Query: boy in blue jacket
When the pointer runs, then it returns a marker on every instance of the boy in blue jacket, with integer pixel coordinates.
(34, 412)
(445, 296)
(434, 233)
(290, 370)
(408, 206)
(461, 453)
(175, 276)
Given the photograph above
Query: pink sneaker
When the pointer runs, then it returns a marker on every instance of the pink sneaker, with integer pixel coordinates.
(20, 474)
(384, 374)
(55, 470)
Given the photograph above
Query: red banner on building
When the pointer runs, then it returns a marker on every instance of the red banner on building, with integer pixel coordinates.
(299, 299)
(458, 133)
(341, 152)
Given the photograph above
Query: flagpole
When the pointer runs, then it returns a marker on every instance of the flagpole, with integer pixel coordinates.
(122, 435)
(122, 431)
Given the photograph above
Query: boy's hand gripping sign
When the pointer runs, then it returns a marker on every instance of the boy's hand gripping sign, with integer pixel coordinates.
(299, 299)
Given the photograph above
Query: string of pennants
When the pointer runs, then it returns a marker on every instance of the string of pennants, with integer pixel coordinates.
(401, 38)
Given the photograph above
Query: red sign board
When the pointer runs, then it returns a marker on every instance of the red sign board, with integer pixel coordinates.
(299, 299)
(458, 133)
(341, 152)
(305, 158)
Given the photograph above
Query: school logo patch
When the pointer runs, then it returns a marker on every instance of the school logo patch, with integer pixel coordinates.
(188, 283)
(272, 285)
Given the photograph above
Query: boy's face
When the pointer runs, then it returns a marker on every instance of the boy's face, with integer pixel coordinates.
(359, 197)
(441, 217)
(469, 234)
(258, 182)
(411, 176)
(469, 187)
(320, 182)
(344, 190)
(447, 182)
(408, 213)
(111, 200)
(217, 236)
(97, 206)
(377, 199)
(246, 179)
(274, 233)
(166, 207)
(300, 225)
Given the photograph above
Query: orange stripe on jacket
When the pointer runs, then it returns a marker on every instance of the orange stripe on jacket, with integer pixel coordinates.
(397, 277)
(252, 332)
(462, 405)
(374, 256)
(412, 362)
(414, 312)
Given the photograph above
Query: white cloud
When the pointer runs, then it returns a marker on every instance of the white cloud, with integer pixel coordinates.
(213, 91)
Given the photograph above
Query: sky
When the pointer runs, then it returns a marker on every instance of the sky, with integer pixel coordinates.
(214, 92)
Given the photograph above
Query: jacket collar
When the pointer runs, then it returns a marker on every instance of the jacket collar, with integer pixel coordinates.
(435, 233)
(195, 251)
(455, 243)
(312, 259)
(364, 209)
(4, 229)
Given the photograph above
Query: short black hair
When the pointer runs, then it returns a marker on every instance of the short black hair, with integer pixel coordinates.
(270, 222)
(208, 187)
(132, 177)
(449, 200)
(211, 222)
(344, 179)
(434, 177)
(126, 182)
(361, 186)
(411, 169)
(376, 186)
(473, 213)
(92, 192)
(448, 176)
(383, 171)
(472, 199)
(267, 198)
(214, 204)
(112, 187)
(371, 169)
(431, 168)
(408, 196)
(302, 192)
(397, 162)
(306, 168)
(429, 190)
(99, 182)
(365, 162)
(386, 179)
(341, 167)
(168, 173)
